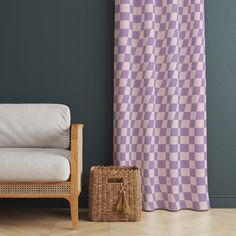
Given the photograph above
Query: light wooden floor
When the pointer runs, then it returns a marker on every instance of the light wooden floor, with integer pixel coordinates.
(51, 222)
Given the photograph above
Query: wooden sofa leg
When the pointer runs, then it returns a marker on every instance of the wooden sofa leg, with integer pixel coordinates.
(74, 210)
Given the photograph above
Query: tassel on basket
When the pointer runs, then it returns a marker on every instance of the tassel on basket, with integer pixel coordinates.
(122, 205)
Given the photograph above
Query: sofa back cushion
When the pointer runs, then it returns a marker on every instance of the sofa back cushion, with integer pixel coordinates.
(34, 125)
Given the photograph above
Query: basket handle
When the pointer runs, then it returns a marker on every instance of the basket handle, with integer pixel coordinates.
(115, 180)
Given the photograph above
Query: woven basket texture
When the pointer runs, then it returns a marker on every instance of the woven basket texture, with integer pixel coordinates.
(105, 183)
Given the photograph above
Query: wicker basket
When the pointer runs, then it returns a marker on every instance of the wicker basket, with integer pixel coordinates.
(106, 184)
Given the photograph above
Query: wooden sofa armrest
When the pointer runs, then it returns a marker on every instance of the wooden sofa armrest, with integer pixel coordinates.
(76, 156)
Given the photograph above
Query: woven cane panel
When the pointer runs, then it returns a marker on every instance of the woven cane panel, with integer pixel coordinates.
(103, 195)
(34, 189)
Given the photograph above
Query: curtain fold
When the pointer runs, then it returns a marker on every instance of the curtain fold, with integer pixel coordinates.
(160, 100)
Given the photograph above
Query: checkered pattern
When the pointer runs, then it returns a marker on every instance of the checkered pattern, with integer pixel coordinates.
(160, 100)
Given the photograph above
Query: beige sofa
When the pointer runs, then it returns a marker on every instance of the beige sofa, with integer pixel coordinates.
(40, 153)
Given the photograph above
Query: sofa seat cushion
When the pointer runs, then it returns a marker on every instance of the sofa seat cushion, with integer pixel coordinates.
(34, 165)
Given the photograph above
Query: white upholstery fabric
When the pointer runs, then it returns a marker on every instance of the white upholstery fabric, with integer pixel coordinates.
(34, 125)
(34, 165)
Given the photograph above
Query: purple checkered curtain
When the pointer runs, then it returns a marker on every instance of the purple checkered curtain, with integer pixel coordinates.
(160, 100)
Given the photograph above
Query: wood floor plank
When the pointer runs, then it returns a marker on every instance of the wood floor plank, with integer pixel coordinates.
(56, 222)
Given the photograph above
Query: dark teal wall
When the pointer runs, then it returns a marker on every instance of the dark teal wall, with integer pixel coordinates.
(61, 51)
(221, 100)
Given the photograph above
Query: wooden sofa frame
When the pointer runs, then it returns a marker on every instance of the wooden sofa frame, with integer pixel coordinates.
(68, 190)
